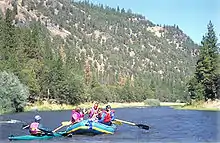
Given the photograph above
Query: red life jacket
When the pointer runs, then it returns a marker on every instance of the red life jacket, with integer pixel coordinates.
(108, 116)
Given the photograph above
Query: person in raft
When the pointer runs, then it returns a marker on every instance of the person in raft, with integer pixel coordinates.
(93, 111)
(97, 116)
(34, 127)
(77, 115)
(107, 116)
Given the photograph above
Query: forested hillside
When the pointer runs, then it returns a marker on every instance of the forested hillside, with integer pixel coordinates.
(72, 52)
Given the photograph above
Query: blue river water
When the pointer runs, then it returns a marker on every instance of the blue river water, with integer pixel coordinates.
(166, 125)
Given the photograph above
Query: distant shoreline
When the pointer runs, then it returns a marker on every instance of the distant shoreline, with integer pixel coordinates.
(201, 105)
(45, 106)
(51, 107)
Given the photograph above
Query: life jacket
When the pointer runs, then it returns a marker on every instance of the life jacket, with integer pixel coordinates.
(108, 117)
(99, 116)
(34, 128)
(76, 117)
(92, 112)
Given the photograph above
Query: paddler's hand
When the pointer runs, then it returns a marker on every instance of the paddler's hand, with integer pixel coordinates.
(84, 111)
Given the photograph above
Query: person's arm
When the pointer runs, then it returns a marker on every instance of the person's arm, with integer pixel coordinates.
(112, 116)
(82, 114)
(102, 119)
(74, 116)
(26, 127)
(40, 126)
(88, 111)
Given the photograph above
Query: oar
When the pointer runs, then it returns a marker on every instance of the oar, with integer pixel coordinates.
(65, 123)
(116, 122)
(142, 126)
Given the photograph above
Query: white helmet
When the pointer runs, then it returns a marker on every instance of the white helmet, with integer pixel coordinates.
(37, 118)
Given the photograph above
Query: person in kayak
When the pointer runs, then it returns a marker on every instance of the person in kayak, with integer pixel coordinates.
(107, 116)
(34, 126)
(77, 115)
(93, 111)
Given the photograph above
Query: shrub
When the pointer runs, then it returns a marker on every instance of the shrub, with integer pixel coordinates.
(152, 102)
(101, 94)
(13, 94)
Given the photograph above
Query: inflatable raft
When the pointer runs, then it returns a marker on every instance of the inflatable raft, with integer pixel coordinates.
(89, 127)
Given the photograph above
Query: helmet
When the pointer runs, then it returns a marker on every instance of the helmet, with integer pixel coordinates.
(108, 107)
(37, 118)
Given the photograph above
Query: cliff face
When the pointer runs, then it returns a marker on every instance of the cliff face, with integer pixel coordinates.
(112, 44)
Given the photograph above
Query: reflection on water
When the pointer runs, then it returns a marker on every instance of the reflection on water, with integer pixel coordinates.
(167, 125)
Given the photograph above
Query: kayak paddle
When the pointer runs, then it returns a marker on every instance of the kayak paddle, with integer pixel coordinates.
(25, 126)
(66, 123)
(46, 131)
(142, 126)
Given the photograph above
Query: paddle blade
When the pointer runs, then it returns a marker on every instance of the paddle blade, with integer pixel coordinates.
(142, 126)
(66, 123)
(117, 122)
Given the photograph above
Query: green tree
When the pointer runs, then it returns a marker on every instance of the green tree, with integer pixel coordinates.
(13, 94)
(195, 89)
(206, 68)
(118, 9)
(9, 40)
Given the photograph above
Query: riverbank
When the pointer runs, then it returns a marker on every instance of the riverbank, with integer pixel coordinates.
(201, 105)
(45, 106)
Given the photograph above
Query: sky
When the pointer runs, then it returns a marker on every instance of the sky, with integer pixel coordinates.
(192, 16)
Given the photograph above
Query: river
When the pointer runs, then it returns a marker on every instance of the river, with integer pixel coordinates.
(167, 125)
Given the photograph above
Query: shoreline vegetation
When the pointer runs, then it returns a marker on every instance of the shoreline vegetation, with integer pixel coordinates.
(46, 106)
(201, 105)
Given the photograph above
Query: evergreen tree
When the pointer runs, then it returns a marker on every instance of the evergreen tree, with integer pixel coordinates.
(122, 10)
(118, 9)
(206, 68)
(9, 41)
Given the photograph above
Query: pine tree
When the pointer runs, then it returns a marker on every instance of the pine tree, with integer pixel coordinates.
(118, 9)
(9, 40)
(206, 68)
